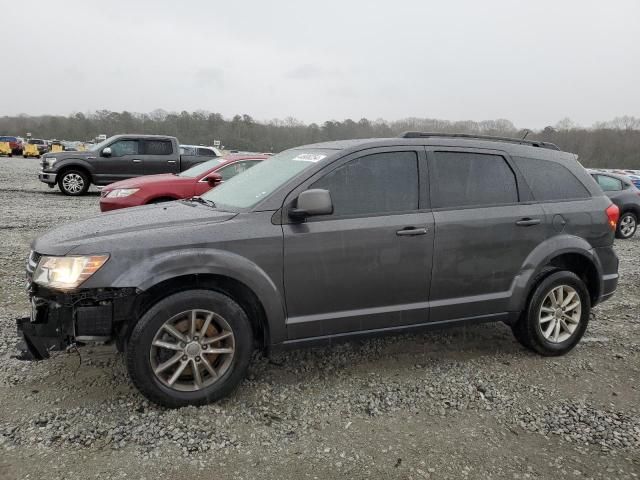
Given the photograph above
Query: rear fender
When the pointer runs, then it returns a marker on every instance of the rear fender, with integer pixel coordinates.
(540, 257)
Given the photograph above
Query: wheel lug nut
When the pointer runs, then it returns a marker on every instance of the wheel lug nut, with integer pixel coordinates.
(195, 338)
(205, 346)
(181, 345)
(197, 359)
(184, 357)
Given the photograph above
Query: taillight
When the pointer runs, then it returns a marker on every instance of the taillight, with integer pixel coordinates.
(613, 213)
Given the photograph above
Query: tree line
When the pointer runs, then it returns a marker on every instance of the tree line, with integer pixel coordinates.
(612, 144)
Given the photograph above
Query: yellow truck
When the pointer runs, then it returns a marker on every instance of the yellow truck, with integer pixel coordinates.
(31, 150)
(5, 149)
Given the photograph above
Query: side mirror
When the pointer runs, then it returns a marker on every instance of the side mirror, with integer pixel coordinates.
(213, 178)
(312, 202)
(106, 152)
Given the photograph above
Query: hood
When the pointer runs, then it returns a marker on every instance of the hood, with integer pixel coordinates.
(126, 224)
(147, 180)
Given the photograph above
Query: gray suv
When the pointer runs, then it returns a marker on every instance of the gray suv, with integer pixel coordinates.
(327, 242)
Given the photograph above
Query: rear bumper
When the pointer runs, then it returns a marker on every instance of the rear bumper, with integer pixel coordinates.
(49, 178)
(609, 264)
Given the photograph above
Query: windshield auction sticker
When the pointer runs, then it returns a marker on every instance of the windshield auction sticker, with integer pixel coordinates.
(309, 157)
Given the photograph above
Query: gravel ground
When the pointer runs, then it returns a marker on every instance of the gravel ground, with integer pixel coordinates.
(459, 403)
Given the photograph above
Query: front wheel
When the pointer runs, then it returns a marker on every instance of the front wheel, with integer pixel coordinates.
(557, 315)
(190, 348)
(627, 225)
(73, 183)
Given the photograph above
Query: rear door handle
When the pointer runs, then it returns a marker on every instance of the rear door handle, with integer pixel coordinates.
(528, 222)
(136, 160)
(409, 231)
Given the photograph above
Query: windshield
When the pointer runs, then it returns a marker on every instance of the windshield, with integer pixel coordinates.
(36, 141)
(199, 169)
(100, 146)
(248, 188)
(8, 139)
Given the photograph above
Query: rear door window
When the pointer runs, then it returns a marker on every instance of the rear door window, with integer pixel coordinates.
(550, 181)
(374, 184)
(157, 147)
(609, 184)
(466, 179)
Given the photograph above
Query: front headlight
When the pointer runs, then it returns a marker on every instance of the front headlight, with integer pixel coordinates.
(51, 161)
(67, 273)
(122, 192)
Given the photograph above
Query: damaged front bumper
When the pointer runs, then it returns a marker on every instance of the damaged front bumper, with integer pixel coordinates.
(61, 320)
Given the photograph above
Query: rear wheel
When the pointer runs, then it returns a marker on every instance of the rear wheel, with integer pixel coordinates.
(191, 348)
(73, 182)
(557, 315)
(627, 225)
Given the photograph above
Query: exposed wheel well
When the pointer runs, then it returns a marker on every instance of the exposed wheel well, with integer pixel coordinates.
(583, 267)
(238, 291)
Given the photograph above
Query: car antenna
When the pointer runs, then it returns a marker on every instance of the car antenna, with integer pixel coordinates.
(526, 132)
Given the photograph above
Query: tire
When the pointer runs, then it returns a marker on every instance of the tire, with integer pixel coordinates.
(231, 367)
(536, 329)
(627, 225)
(74, 182)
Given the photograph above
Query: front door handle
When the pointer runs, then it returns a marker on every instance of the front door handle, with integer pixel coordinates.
(136, 160)
(409, 231)
(171, 161)
(528, 222)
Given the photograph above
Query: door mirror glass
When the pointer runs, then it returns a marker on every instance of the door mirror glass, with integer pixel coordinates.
(106, 152)
(213, 178)
(312, 202)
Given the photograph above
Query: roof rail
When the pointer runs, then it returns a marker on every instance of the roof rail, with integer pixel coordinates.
(533, 143)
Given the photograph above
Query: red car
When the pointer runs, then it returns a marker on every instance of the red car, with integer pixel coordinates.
(174, 186)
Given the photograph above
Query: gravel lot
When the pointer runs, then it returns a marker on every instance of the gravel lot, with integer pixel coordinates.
(461, 403)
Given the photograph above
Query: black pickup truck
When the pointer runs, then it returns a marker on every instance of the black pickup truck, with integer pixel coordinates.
(116, 158)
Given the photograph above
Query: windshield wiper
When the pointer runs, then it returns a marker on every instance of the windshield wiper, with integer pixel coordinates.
(204, 201)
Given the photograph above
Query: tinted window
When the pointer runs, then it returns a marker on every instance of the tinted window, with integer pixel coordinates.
(461, 179)
(157, 147)
(235, 168)
(206, 152)
(124, 147)
(609, 184)
(550, 180)
(384, 182)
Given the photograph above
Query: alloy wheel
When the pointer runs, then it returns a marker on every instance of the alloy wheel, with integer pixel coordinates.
(73, 183)
(627, 225)
(192, 350)
(560, 314)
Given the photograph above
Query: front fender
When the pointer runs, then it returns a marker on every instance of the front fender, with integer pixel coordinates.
(73, 162)
(540, 257)
(150, 271)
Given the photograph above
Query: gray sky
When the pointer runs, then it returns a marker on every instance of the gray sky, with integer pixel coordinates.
(532, 62)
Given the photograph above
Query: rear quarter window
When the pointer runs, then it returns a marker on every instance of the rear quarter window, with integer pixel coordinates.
(468, 179)
(550, 181)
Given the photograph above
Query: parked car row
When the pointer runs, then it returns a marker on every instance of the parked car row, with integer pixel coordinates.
(319, 243)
